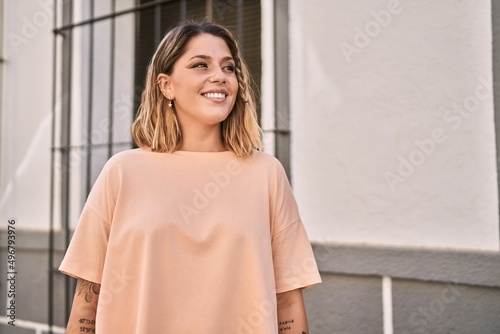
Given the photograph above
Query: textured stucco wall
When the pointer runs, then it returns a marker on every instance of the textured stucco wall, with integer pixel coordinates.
(383, 149)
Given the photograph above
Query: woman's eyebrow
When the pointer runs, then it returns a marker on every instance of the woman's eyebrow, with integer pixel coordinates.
(208, 57)
(200, 56)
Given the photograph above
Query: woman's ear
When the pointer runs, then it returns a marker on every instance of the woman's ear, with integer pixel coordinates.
(163, 82)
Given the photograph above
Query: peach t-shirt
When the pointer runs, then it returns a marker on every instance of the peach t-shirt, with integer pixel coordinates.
(190, 242)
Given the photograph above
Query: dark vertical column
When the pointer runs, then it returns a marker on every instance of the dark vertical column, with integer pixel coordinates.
(67, 57)
(50, 299)
(88, 176)
(281, 77)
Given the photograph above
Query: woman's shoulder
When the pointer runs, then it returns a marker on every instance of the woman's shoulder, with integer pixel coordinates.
(264, 159)
(126, 157)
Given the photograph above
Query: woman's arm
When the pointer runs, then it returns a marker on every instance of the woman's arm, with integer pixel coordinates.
(292, 313)
(83, 311)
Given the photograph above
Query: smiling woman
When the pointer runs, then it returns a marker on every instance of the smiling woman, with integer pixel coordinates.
(197, 223)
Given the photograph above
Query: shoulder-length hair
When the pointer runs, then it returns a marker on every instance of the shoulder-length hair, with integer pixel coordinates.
(156, 125)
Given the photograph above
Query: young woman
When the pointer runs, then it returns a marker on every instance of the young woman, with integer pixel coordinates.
(196, 231)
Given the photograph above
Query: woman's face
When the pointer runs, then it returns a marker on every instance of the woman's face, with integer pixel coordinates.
(203, 82)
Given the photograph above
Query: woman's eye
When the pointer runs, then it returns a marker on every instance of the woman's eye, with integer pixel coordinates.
(200, 65)
(230, 68)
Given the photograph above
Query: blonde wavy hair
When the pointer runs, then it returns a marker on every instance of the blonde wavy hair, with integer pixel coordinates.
(156, 125)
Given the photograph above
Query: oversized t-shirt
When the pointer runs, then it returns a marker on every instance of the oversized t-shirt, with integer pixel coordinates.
(190, 242)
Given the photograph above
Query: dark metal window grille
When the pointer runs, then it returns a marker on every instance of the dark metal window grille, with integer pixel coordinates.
(101, 51)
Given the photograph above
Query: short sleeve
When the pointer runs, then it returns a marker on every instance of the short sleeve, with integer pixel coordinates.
(294, 263)
(293, 258)
(87, 251)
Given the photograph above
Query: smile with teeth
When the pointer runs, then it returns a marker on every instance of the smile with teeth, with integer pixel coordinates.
(216, 96)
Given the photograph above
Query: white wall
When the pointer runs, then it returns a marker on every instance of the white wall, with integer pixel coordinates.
(25, 132)
(363, 102)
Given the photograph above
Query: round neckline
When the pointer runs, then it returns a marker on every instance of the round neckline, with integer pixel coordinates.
(201, 153)
(189, 152)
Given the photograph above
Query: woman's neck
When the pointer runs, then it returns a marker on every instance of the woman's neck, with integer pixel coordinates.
(201, 139)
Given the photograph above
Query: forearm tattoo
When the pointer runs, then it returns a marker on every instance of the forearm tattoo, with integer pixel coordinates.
(285, 325)
(90, 289)
(90, 325)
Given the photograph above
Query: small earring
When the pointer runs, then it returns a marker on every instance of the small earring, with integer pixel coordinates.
(170, 105)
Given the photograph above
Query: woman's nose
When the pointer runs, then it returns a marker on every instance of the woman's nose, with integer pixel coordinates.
(218, 75)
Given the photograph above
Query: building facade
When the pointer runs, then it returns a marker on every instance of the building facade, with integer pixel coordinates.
(382, 112)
